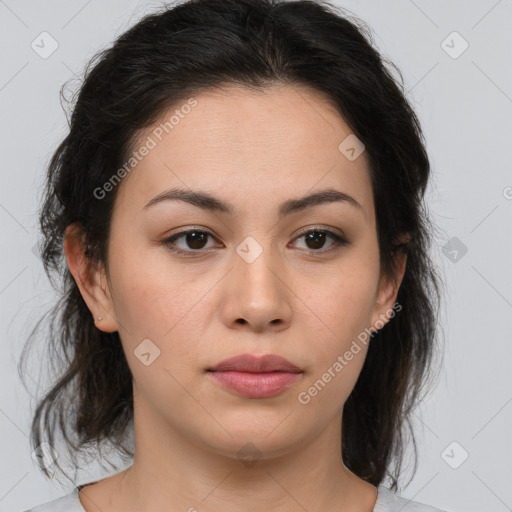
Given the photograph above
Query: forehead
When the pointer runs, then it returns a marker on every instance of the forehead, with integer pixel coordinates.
(279, 142)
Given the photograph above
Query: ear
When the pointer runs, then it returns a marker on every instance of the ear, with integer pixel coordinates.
(90, 278)
(389, 285)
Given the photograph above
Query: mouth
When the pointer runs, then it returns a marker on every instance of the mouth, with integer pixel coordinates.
(256, 377)
(256, 364)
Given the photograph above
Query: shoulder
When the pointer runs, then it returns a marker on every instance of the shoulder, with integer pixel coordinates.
(68, 503)
(387, 501)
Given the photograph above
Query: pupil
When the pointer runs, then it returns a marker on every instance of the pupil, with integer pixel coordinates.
(192, 239)
(314, 237)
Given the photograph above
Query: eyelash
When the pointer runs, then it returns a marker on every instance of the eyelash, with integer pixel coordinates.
(339, 240)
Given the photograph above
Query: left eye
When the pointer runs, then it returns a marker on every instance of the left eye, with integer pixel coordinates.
(317, 238)
(196, 239)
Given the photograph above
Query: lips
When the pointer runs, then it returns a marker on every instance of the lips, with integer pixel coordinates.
(255, 377)
(254, 364)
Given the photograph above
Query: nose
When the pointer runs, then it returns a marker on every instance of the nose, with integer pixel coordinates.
(256, 294)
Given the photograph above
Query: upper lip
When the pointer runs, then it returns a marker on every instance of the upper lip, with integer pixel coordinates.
(256, 364)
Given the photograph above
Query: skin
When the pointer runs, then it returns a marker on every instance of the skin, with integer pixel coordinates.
(255, 151)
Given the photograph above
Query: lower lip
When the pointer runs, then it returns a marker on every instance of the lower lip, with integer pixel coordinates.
(256, 385)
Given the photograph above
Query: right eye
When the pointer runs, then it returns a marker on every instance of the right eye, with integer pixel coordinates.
(194, 241)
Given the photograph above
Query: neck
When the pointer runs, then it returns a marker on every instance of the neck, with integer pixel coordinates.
(174, 471)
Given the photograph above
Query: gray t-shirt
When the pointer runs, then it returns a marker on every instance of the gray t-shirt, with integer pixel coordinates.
(386, 502)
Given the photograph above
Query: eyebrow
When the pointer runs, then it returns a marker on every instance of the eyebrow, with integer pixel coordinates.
(207, 201)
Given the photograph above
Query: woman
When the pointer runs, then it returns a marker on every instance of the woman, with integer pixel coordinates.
(246, 280)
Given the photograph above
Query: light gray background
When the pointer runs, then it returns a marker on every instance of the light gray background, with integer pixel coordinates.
(465, 106)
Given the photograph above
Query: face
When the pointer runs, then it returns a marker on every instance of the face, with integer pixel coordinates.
(193, 282)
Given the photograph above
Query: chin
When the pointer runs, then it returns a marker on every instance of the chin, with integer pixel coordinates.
(251, 436)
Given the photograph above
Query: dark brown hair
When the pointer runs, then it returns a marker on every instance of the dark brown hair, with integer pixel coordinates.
(171, 55)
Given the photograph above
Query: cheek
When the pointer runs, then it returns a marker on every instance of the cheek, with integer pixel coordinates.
(157, 301)
(151, 308)
(343, 311)
(347, 300)
(142, 290)
(339, 350)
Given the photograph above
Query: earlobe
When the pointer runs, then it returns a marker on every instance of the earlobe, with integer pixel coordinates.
(90, 279)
